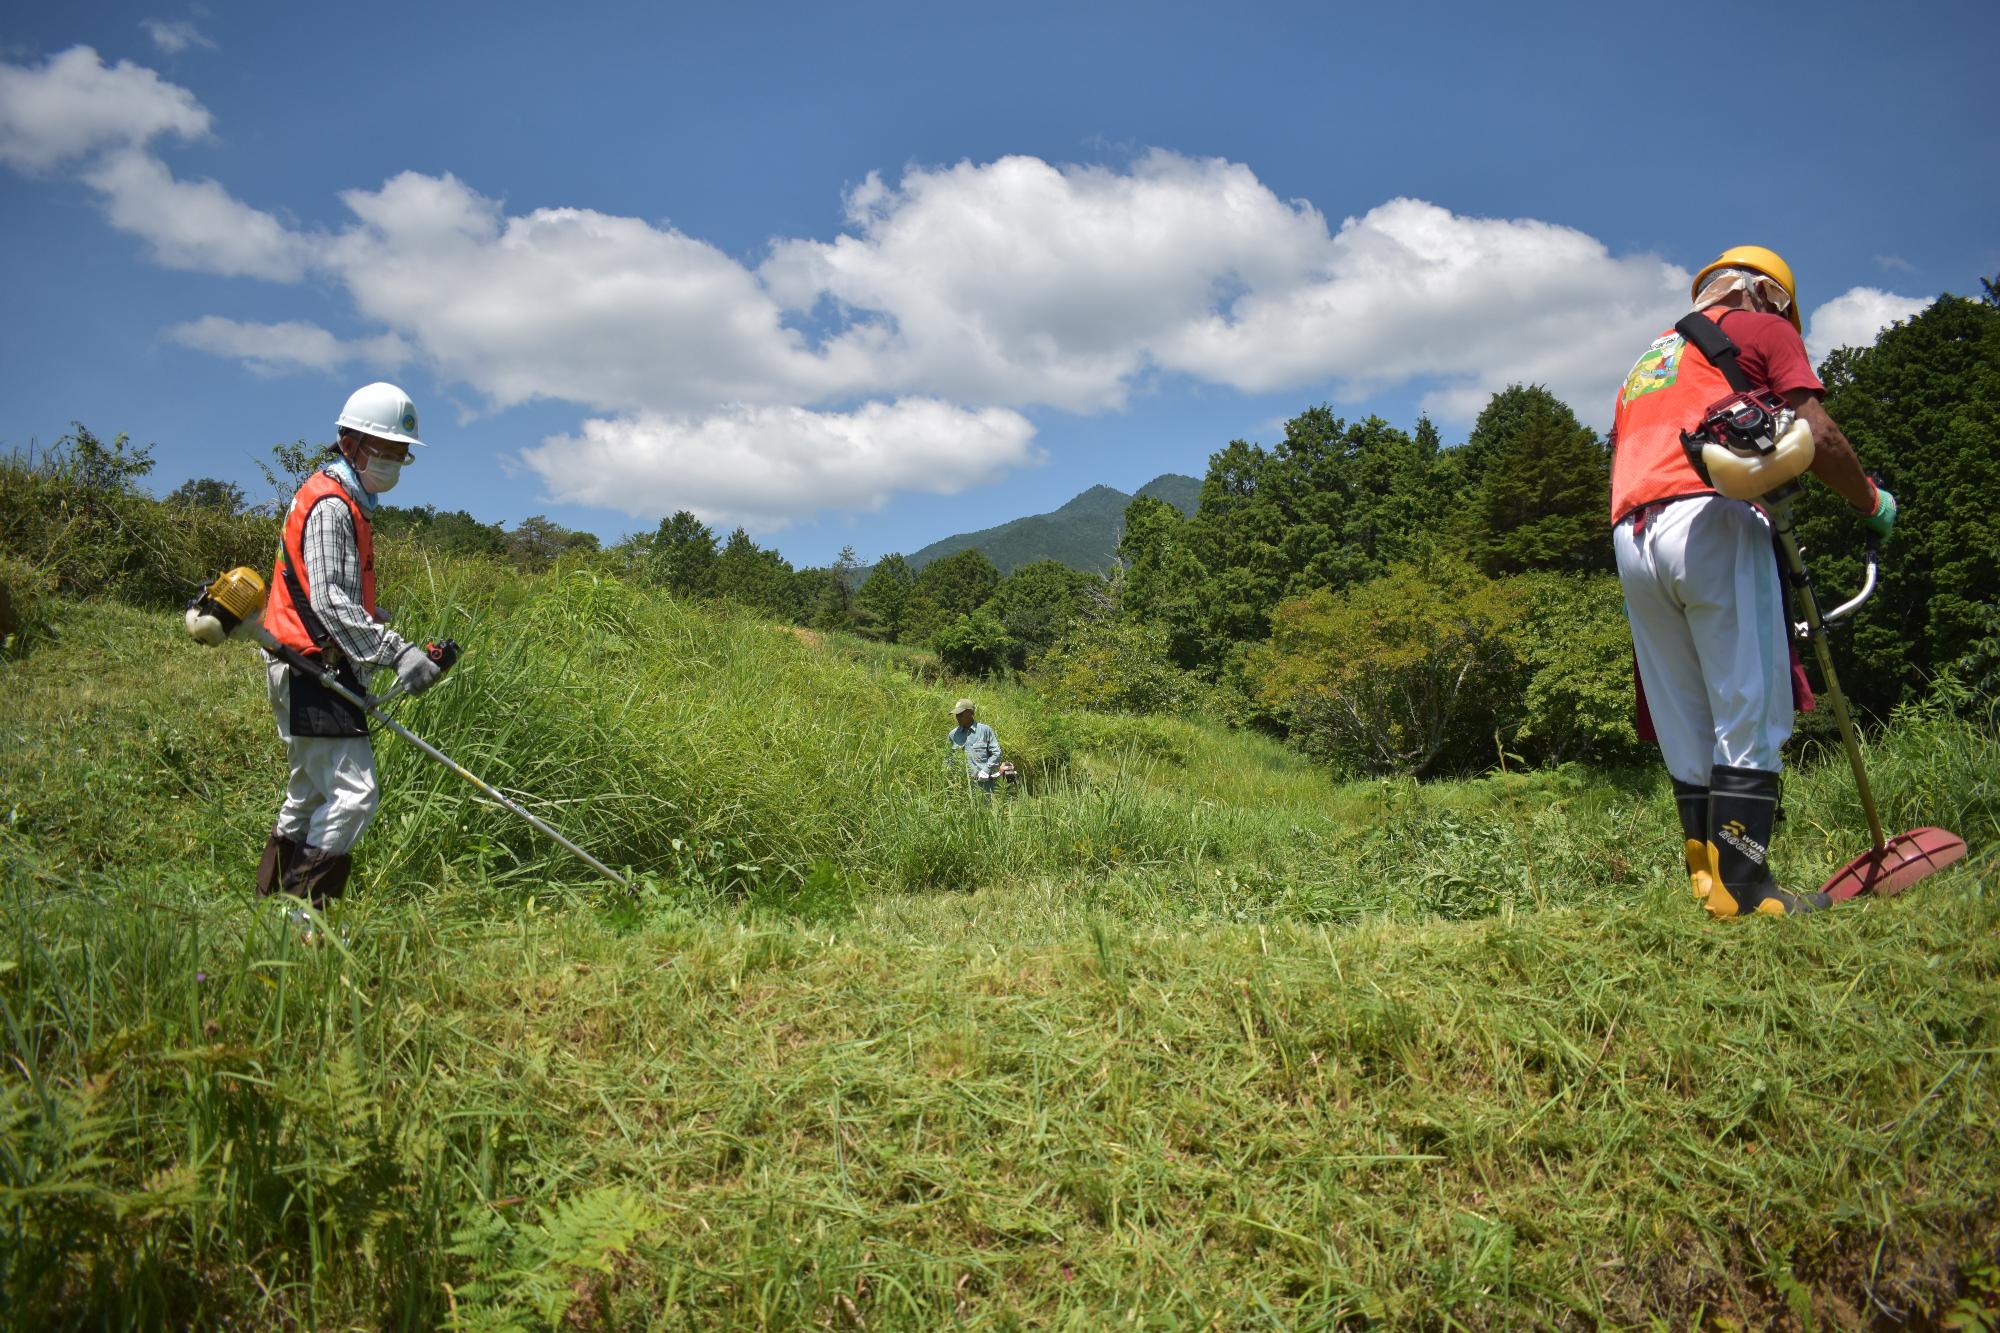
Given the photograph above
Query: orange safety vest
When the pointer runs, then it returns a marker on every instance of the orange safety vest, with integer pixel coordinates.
(289, 614)
(1669, 390)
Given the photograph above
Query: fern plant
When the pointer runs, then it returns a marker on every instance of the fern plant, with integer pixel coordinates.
(530, 1276)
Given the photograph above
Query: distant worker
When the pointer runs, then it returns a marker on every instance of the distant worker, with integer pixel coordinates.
(322, 605)
(1709, 622)
(978, 745)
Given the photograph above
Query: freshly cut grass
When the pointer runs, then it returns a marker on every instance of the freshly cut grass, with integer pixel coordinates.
(1186, 1036)
(1577, 1118)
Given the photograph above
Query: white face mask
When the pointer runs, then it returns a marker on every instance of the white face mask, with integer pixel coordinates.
(381, 474)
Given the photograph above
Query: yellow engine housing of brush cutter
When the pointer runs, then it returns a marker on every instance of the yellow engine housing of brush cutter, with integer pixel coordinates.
(1747, 476)
(225, 606)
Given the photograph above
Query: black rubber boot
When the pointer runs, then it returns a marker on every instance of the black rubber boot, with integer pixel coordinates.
(1742, 807)
(319, 876)
(1692, 802)
(279, 854)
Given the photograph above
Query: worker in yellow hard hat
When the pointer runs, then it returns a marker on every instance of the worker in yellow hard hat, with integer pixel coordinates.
(1778, 289)
(1709, 627)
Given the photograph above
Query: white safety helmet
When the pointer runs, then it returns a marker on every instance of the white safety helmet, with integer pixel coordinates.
(382, 410)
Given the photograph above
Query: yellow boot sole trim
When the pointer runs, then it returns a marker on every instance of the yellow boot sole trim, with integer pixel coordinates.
(1721, 903)
(1700, 881)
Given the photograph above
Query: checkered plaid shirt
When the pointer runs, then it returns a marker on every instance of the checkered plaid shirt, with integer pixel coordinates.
(333, 581)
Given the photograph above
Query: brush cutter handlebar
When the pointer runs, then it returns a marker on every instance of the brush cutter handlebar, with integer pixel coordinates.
(1869, 567)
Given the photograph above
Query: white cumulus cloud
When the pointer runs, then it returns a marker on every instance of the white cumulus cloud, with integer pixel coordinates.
(1855, 317)
(174, 36)
(72, 105)
(272, 349)
(196, 224)
(568, 303)
(1411, 291)
(1019, 281)
(765, 466)
(1022, 282)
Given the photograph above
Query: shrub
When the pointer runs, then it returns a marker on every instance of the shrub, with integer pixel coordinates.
(1575, 649)
(1405, 673)
(1115, 666)
(76, 514)
(975, 645)
(27, 594)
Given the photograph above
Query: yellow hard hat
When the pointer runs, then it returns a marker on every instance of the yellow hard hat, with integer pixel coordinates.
(1766, 262)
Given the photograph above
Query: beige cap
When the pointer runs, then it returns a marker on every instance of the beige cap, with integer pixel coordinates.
(962, 706)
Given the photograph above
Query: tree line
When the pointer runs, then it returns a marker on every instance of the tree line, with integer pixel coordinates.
(1389, 603)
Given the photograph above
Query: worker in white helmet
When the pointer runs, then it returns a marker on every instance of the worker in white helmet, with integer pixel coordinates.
(322, 606)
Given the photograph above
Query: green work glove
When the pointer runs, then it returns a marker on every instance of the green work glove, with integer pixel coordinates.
(1883, 518)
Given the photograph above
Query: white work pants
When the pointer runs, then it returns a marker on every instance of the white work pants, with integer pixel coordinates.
(1702, 593)
(331, 793)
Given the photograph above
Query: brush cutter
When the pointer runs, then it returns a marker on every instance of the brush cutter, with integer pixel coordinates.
(1892, 864)
(233, 606)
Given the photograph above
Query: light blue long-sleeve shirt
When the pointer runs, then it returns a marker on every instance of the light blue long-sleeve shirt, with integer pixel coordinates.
(980, 747)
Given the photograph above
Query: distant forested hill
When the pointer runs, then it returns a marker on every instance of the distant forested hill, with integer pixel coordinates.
(1082, 534)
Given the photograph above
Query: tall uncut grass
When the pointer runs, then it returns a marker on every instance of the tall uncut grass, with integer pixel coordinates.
(1184, 1035)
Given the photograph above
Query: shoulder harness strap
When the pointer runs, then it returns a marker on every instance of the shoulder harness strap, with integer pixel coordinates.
(1718, 347)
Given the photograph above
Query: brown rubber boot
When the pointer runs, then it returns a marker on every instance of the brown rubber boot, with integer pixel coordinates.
(1742, 808)
(1692, 802)
(279, 854)
(319, 876)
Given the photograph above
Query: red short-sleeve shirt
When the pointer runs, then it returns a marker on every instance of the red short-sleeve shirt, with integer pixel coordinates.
(1770, 351)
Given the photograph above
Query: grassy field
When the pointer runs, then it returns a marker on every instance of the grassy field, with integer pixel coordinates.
(1186, 1036)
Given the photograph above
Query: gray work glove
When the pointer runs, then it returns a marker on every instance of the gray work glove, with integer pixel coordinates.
(415, 671)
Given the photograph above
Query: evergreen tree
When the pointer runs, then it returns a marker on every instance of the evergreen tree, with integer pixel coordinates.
(879, 606)
(1237, 535)
(1330, 506)
(1429, 443)
(1922, 408)
(947, 589)
(1165, 585)
(1541, 502)
(682, 556)
(1503, 417)
(752, 577)
(1037, 604)
(834, 609)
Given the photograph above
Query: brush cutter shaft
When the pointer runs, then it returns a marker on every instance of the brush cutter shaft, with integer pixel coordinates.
(1781, 523)
(372, 707)
(1891, 864)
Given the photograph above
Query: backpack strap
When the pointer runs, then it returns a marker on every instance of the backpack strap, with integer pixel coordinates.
(1718, 347)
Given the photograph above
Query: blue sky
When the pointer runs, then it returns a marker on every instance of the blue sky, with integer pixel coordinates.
(875, 274)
